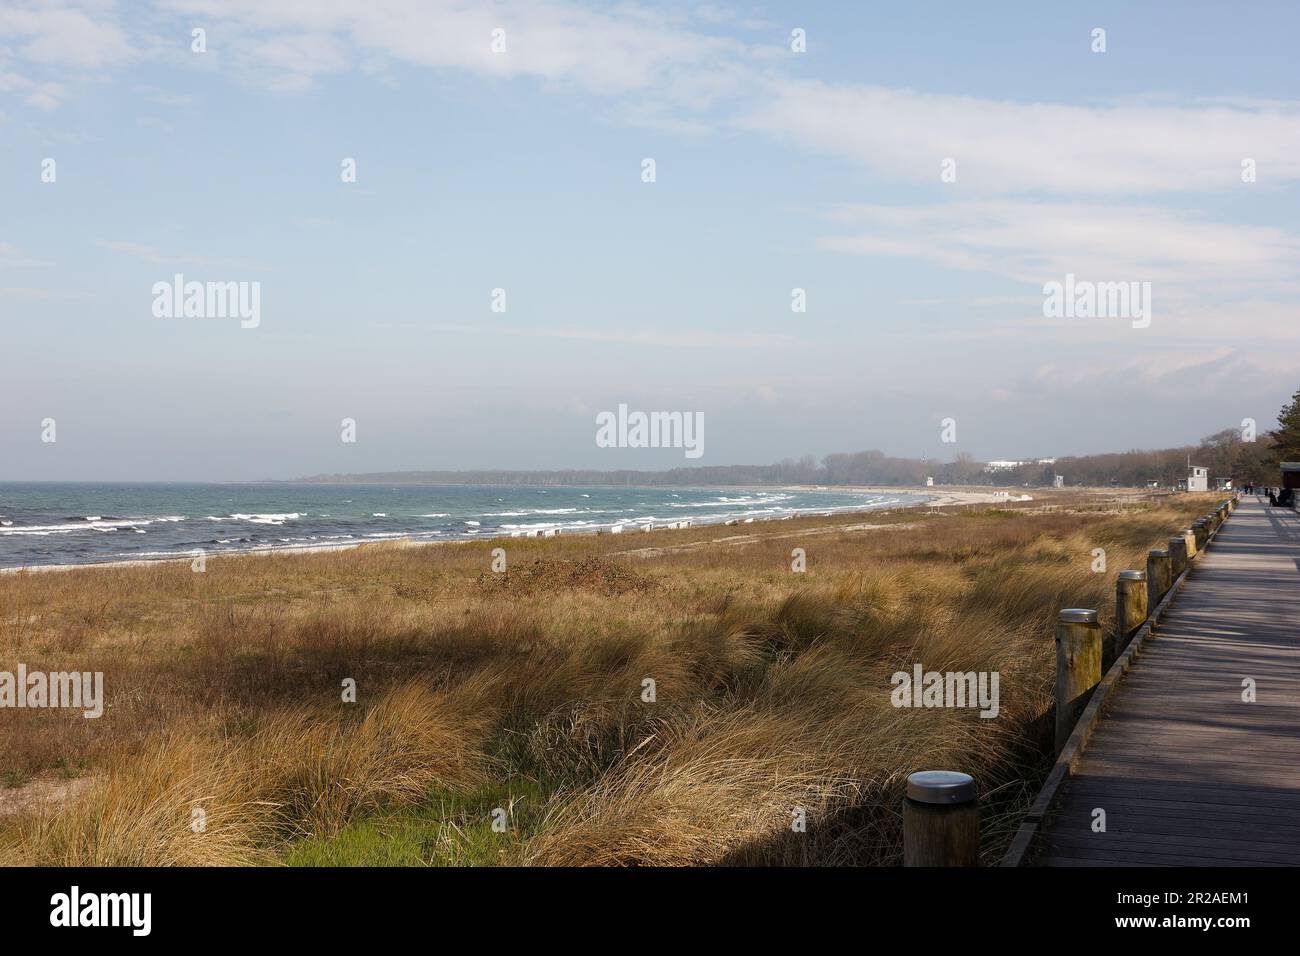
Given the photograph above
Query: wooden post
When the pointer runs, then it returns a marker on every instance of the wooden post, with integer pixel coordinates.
(941, 820)
(1078, 666)
(1130, 611)
(1189, 538)
(1202, 535)
(1159, 577)
(1177, 558)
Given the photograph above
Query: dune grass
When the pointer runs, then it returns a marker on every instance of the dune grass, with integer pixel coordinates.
(521, 698)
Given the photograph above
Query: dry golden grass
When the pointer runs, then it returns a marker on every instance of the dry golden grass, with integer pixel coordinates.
(772, 688)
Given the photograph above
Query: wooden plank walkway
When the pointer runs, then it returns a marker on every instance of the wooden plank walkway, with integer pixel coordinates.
(1187, 773)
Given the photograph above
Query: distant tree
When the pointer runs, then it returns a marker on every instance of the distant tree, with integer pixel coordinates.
(1223, 452)
(1286, 440)
(1254, 461)
(1223, 439)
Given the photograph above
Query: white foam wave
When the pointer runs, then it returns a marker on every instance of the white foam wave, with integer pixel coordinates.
(273, 519)
(85, 525)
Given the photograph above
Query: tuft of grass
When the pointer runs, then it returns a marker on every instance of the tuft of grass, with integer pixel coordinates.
(195, 799)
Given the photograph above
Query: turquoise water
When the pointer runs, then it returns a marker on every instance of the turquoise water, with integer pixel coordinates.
(58, 523)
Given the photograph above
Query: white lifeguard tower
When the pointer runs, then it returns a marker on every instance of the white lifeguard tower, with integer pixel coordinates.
(1198, 478)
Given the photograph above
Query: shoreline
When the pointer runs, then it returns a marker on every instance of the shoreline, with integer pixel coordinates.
(946, 499)
(410, 542)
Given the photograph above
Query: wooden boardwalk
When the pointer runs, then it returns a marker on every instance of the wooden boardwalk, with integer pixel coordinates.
(1187, 773)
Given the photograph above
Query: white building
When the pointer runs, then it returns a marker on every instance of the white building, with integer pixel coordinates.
(1198, 478)
(1009, 465)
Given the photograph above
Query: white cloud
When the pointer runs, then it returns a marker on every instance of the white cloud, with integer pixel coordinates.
(42, 95)
(1005, 146)
(602, 49)
(1035, 242)
(68, 35)
(693, 67)
(1207, 368)
(12, 257)
(43, 46)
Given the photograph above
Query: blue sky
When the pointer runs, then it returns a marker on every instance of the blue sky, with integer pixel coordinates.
(522, 170)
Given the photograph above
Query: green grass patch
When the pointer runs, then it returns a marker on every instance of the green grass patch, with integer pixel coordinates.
(446, 830)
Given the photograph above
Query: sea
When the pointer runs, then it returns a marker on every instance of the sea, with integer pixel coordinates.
(81, 523)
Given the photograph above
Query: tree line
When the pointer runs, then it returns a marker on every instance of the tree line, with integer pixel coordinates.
(1231, 453)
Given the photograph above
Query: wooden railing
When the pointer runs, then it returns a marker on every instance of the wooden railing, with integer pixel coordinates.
(940, 805)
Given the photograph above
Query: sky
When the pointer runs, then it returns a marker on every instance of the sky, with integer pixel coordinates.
(920, 171)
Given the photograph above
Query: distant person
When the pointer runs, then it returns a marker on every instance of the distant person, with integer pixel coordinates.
(1272, 498)
(1287, 498)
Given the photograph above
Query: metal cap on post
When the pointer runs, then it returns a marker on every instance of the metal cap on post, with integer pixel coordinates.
(1077, 615)
(940, 787)
(941, 819)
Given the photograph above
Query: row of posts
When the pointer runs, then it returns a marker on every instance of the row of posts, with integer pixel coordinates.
(941, 818)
